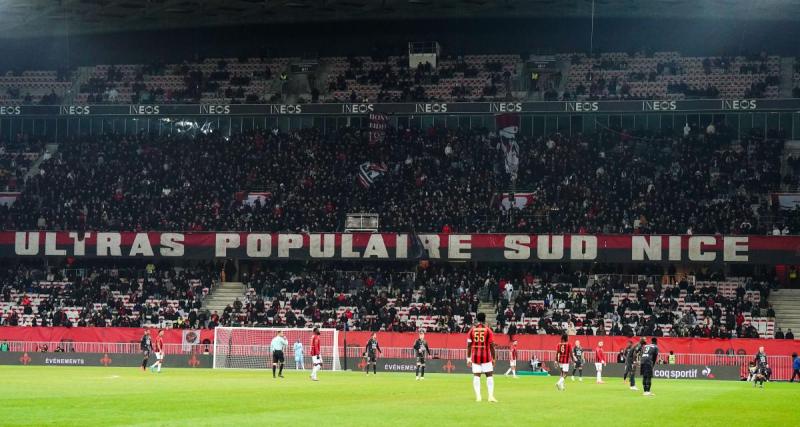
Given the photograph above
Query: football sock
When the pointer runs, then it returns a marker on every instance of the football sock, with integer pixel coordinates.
(273, 370)
(476, 385)
(280, 371)
(417, 370)
(490, 385)
(422, 370)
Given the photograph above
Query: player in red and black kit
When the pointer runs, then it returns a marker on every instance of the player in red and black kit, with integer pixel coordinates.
(563, 356)
(513, 361)
(159, 350)
(316, 355)
(481, 356)
(599, 361)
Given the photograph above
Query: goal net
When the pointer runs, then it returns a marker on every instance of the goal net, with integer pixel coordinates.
(248, 348)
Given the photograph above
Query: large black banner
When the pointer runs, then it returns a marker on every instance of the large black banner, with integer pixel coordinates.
(406, 247)
(661, 371)
(103, 359)
(612, 370)
(651, 106)
(432, 366)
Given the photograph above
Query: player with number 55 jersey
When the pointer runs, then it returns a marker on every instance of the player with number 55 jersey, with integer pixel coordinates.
(481, 356)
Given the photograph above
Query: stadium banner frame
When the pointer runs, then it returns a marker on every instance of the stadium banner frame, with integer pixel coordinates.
(721, 348)
(434, 108)
(447, 366)
(432, 366)
(665, 371)
(129, 360)
(665, 249)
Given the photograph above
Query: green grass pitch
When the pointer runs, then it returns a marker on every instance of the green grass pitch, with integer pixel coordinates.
(126, 396)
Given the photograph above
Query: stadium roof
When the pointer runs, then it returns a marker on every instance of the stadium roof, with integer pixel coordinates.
(32, 18)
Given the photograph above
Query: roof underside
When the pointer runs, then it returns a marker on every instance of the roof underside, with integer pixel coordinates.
(34, 18)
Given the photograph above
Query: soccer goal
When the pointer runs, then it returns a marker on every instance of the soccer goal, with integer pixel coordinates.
(248, 348)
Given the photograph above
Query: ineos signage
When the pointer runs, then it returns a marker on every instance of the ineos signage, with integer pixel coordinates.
(359, 108)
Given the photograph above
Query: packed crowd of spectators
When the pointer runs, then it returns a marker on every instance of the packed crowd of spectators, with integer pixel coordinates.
(436, 179)
(389, 300)
(15, 161)
(104, 297)
(579, 304)
(440, 299)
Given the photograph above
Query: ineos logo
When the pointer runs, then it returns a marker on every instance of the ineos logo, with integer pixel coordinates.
(75, 110)
(431, 108)
(144, 109)
(739, 104)
(358, 108)
(10, 110)
(215, 109)
(581, 106)
(505, 107)
(286, 109)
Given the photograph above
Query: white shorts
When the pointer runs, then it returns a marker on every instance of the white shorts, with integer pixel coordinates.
(482, 368)
(316, 360)
(159, 355)
(565, 367)
(512, 363)
(598, 367)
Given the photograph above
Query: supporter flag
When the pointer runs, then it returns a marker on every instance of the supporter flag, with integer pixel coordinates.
(377, 127)
(786, 201)
(508, 127)
(417, 250)
(260, 196)
(8, 199)
(516, 200)
(368, 172)
(190, 338)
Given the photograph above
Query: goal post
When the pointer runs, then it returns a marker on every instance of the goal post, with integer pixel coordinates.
(248, 348)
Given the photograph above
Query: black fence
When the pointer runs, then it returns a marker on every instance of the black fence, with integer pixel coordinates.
(744, 116)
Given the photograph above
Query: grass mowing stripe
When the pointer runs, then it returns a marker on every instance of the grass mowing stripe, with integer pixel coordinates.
(125, 396)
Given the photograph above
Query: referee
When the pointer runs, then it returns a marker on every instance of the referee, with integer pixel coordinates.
(278, 345)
